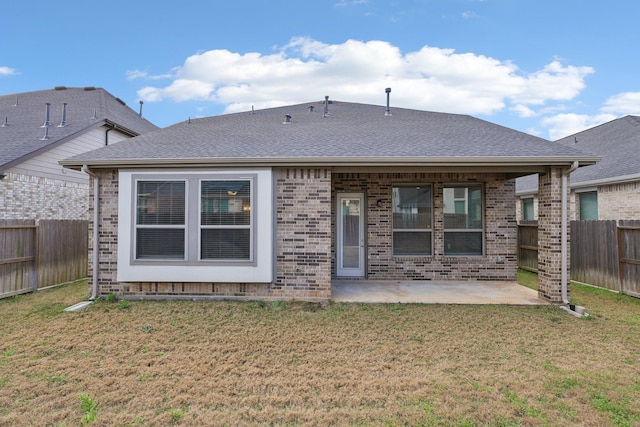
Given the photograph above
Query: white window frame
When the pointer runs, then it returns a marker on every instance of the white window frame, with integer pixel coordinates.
(258, 269)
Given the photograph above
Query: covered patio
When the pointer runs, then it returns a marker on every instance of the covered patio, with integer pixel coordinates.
(428, 292)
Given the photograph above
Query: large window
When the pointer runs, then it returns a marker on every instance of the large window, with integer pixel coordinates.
(588, 205)
(463, 219)
(412, 222)
(168, 228)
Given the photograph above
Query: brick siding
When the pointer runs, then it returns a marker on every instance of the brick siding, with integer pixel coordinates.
(499, 261)
(550, 236)
(31, 197)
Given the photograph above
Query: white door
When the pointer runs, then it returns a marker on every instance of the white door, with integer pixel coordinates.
(350, 221)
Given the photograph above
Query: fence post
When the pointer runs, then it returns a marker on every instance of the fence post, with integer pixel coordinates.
(620, 256)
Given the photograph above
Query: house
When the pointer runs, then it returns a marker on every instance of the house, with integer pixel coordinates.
(608, 190)
(277, 203)
(38, 129)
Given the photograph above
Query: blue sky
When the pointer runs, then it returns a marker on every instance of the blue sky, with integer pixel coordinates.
(547, 67)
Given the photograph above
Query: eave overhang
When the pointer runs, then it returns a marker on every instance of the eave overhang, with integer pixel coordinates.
(515, 164)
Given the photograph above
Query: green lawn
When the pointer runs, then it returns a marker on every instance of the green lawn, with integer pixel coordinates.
(258, 363)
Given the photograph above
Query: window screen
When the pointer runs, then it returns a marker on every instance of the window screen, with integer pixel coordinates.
(412, 220)
(463, 219)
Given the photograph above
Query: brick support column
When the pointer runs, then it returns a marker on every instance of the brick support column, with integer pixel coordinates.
(303, 233)
(550, 235)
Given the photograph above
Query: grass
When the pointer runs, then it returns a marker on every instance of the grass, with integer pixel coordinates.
(295, 363)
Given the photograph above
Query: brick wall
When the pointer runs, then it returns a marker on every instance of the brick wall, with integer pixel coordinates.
(304, 229)
(549, 236)
(31, 197)
(619, 201)
(499, 261)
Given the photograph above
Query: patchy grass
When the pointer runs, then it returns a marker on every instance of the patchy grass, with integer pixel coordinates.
(294, 363)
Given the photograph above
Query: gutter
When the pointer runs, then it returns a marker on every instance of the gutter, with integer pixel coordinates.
(510, 162)
(96, 206)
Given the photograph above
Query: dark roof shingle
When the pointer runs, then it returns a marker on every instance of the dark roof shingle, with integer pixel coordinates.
(23, 114)
(351, 131)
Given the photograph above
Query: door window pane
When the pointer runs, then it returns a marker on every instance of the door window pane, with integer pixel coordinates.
(351, 233)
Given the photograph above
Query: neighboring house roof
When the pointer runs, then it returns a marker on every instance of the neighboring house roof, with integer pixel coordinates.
(350, 134)
(23, 115)
(617, 141)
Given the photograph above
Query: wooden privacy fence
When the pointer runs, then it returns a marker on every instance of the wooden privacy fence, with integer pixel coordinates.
(37, 255)
(603, 253)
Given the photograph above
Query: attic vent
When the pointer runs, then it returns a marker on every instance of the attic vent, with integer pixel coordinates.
(120, 101)
(63, 122)
(60, 88)
(387, 112)
(89, 88)
(287, 119)
(47, 123)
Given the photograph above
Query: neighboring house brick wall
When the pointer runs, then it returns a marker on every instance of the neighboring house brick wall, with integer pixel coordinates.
(500, 228)
(619, 201)
(303, 237)
(31, 197)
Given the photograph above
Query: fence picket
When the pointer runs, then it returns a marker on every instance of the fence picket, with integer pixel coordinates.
(36, 256)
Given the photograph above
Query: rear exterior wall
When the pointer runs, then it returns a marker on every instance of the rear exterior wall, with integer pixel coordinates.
(499, 261)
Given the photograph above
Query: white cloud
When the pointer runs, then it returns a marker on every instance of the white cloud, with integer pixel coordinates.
(623, 104)
(468, 14)
(7, 71)
(305, 69)
(562, 125)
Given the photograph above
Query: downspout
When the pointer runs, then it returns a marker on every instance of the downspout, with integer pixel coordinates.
(96, 205)
(564, 263)
(106, 134)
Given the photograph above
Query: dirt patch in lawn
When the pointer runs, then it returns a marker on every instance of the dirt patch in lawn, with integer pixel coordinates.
(256, 363)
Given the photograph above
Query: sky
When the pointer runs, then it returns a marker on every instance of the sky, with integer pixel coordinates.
(550, 68)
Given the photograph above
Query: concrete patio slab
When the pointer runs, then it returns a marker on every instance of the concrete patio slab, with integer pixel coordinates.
(454, 292)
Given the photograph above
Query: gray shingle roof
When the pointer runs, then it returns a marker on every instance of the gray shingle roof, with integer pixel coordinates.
(617, 141)
(23, 114)
(351, 133)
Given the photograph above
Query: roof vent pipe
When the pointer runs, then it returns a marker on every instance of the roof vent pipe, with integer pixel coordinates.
(287, 119)
(6, 122)
(47, 123)
(46, 134)
(311, 108)
(95, 114)
(63, 123)
(326, 106)
(387, 112)
(140, 113)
